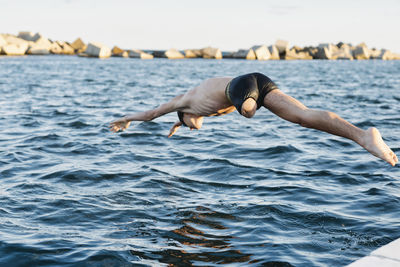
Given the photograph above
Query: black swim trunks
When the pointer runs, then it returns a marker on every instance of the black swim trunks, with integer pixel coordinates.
(253, 85)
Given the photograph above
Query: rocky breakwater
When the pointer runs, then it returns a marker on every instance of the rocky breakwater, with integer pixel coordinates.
(27, 43)
(281, 50)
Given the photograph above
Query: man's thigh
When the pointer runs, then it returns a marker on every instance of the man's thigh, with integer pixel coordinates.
(284, 106)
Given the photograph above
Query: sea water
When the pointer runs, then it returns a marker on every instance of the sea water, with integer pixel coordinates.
(260, 191)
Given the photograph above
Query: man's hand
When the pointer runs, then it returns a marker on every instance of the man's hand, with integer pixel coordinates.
(175, 128)
(119, 125)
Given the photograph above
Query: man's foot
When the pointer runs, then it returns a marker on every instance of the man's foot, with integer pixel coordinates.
(375, 145)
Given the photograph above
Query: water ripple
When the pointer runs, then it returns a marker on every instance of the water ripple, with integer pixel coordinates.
(259, 192)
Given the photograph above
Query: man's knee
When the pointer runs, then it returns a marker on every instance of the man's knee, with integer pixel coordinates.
(249, 108)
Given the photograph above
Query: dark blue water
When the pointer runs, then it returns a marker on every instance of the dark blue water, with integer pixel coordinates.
(260, 191)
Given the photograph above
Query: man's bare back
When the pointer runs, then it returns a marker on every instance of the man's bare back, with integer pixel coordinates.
(210, 99)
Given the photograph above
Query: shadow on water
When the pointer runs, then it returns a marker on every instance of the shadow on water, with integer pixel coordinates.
(201, 240)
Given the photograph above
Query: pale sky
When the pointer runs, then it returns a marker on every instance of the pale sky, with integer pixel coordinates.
(226, 24)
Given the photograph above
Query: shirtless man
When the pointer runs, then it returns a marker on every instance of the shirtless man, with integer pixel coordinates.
(246, 94)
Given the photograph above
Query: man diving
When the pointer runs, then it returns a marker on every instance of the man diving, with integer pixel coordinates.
(246, 94)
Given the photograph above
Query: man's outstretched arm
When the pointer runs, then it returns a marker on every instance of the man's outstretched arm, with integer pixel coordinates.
(123, 123)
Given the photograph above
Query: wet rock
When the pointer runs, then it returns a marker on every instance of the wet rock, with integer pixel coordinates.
(262, 52)
(99, 50)
(139, 54)
(274, 52)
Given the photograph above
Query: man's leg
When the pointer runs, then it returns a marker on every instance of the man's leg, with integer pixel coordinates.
(292, 110)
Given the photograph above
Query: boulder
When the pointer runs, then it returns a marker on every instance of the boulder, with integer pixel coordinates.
(190, 53)
(343, 53)
(55, 48)
(139, 54)
(293, 55)
(262, 52)
(374, 53)
(361, 52)
(322, 53)
(174, 54)
(332, 48)
(118, 52)
(282, 46)
(274, 52)
(38, 50)
(396, 56)
(15, 49)
(2, 41)
(97, 50)
(79, 46)
(244, 54)
(40, 47)
(385, 55)
(210, 52)
(171, 54)
(297, 48)
(36, 37)
(66, 48)
(27, 36)
(10, 39)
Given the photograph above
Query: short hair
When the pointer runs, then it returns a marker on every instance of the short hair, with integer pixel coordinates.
(180, 116)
